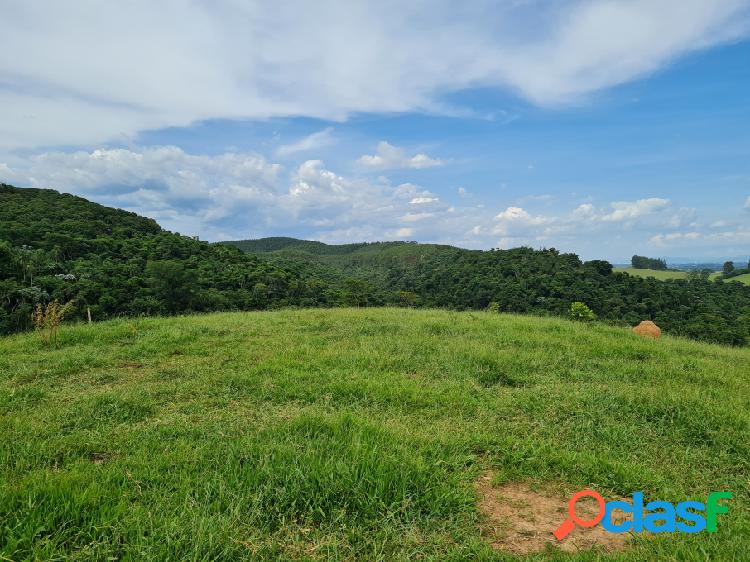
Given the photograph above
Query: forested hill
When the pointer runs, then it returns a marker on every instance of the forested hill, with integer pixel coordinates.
(276, 243)
(59, 247)
(522, 280)
(46, 218)
(112, 262)
(283, 244)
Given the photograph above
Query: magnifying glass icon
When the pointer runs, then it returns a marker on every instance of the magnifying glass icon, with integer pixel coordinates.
(573, 520)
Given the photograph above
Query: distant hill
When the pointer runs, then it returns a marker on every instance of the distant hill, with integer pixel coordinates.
(744, 278)
(294, 245)
(675, 274)
(655, 273)
(374, 262)
(281, 243)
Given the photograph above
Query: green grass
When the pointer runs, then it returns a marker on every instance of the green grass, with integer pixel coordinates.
(739, 279)
(353, 434)
(655, 273)
(677, 274)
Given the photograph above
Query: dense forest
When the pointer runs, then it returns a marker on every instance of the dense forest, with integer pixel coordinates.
(523, 280)
(110, 262)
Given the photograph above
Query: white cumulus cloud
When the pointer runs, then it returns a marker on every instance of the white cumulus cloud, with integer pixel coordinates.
(389, 157)
(234, 195)
(244, 195)
(629, 210)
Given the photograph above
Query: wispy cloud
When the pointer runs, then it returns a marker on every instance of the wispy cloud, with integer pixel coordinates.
(327, 59)
(733, 241)
(315, 141)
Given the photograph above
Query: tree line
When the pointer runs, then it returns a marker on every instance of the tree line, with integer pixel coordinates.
(642, 262)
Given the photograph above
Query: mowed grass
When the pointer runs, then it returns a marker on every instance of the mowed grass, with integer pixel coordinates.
(353, 434)
(655, 273)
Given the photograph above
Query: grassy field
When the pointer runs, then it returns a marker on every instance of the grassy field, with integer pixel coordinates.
(677, 274)
(740, 278)
(655, 273)
(354, 434)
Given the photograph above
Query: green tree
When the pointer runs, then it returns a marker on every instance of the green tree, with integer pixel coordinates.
(10, 265)
(699, 275)
(642, 262)
(358, 292)
(407, 298)
(172, 284)
(580, 311)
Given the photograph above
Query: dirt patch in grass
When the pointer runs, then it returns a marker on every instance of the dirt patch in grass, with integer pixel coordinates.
(521, 520)
(99, 458)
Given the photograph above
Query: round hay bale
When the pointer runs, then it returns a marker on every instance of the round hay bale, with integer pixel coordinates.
(648, 329)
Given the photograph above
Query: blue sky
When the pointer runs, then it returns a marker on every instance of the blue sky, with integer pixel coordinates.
(605, 128)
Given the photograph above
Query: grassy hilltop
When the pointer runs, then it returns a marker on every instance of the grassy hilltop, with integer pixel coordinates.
(655, 273)
(674, 274)
(745, 279)
(353, 433)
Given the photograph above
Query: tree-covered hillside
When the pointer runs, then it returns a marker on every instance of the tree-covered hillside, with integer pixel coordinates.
(294, 245)
(110, 262)
(528, 281)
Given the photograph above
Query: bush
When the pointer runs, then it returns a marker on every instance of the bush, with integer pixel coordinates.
(493, 307)
(579, 311)
(47, 320)
(407, 298)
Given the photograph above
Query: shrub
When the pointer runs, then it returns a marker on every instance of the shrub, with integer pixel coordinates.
(493, 307)
(579, 311)
(407, 298)
(47, 319)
